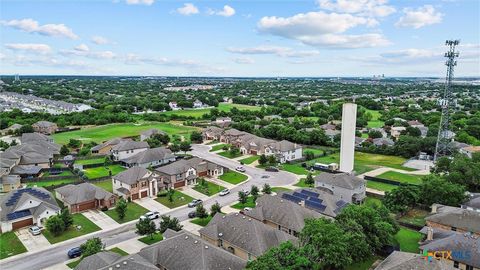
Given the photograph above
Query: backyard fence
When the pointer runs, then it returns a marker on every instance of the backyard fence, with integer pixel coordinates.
(49, 178)
(386, 181)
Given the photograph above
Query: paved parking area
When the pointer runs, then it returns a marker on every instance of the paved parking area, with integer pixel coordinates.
(152, 205)
(100, 219)
(32, 242)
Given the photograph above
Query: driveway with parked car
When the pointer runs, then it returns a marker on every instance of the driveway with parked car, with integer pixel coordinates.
(30, 241)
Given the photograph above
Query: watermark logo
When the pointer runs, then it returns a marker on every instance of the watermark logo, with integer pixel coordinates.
(446, 255)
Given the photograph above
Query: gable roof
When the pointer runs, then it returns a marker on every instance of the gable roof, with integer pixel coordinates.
(182, 165)
(97, 261)
(44, 124)
(343, 180)
(468, 220)
(129, 145)
(74, 194)
(399, 260)
(150, 155)
(132, 175)
(244, 232)
(14, 199)
(111, 142)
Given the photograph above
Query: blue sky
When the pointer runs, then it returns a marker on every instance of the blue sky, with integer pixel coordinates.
(238, 38)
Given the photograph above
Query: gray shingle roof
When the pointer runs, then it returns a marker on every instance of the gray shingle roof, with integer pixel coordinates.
(9, 205)
(129, 145)
(183, 165)
(468, 220)
(98, 260)
(244, 232)
(187, 251)
(111, 142)
(399, 260)
(132, 175)
(84, 192)
(44, 124)
(150, 155)
(343, 180)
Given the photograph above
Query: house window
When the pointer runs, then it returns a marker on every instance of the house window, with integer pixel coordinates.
(454, 229)
(231, 249)
(455, 264)
(468, 267)
(220, 243)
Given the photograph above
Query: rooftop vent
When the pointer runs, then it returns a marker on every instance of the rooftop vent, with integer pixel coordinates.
(206, 247)
(220, 234)
(196, 241)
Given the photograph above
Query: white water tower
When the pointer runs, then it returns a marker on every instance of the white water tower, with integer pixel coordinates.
(347, 144)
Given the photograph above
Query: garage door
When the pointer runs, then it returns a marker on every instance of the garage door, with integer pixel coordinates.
(202, 173)
(179, 184)
(22, 223)
(144, 194)
(86, 206)
(135, 196)
(253, 152)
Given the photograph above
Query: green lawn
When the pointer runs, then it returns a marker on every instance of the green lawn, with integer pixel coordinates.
(224, 107)
(98, 172)
(201, 221)
(179, 199)
(296, 168)
(105, 184)
(278, 189)
(401, 177)
(209, 188)
(249, 203)
(380, 186)
(156, 237)
(415, 217)
(134, 211)
(119, 251)
(228, 154)
(249, 160)
(64, 173)
(370, 201)
(50, 182)
(78, 220)
(219, 147)
(90, 161)
(233, 177)
(408, 240)
(375, 122)
(102, 133)
(10, 245)
(313, 150)
(74, 264)
(364, 265)
(301, 183)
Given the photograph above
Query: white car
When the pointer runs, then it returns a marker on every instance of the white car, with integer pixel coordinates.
(151, 215)
(35, 230)
(240, 169)
(246, 209)
(224, 192)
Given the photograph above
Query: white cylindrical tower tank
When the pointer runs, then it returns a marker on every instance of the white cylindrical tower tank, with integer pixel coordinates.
(347, 144)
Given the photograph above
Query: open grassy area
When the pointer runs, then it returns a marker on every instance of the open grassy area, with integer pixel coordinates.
(105, 184)
(233, 177)
(380, 186)
(134, 211)
(179, 199)
(102, 133)
(119, 251)
(363, 265)
(10, 245)
(208, 188)
(249, 160)
(90, 161)
(249, 203)
(375, 122)
(408, 240)
(371, 201)
(201, 221)
(64, 173)
(415, 217)
(401, 177)
(78, 220)
(224, 107)
(50, 182)
(313, 150)
(296, 168)
(228, 154)
(98, 172)
(156, 237)
(301, 183)
(278, 189)
(219, 147)
(74, 263)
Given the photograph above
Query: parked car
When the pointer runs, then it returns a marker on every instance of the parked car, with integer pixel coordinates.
(192, 214)
(35, 230)
(240, 169)
(246, 209)
(74, 252)
(271, 169)
(265, 176)
(151, 215)
(224, 192)
(194, 203)
(246, 191)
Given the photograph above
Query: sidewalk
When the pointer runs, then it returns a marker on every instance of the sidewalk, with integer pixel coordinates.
(130, 246)
(152, 205)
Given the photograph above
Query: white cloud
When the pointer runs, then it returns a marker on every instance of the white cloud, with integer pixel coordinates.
(187, 9)
(140, 2)
(227, 11)
(323, 29)
(82, 48)
(420, 17)
(29, 47)
(99, 40)
(32, 26)
(372, 8)
(276, 50)
(244, 60)
(84, 51)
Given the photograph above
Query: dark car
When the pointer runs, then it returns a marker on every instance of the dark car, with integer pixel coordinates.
(74, 252)
(192, 214)
(271, 169)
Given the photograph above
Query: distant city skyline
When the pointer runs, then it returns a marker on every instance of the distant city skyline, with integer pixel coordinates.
(322, 38)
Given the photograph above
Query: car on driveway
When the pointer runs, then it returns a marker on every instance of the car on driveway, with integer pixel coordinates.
(74, 252)
(246, 191)
(35, 230)
(151, 215)
(224, 192)
(240, 169)
(271, 169)
(246, 209)
(194, 203)
(192, 214)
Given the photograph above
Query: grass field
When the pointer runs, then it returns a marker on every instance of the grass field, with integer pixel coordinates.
(401, 177)
(249, 203)
(119, 251)
(50, 183)
(249, 160)
(278, 189)
(134, 211)
(408, 240)
(179, 199)
(209, 188)
(98, 172)
(78, 220)
(156, 237)
(10, 245)
(370, 201)
(90, 161)
(64, 173)
(102, 133)
(296, 168)
(201, 221)
(363, 265)
(375, 122)
(219, 147)
(301, 183)
(313, 150)
(415, 217)
(233, 177)
(380, 186)
(105, 184)
(223, 107)
(227, 154)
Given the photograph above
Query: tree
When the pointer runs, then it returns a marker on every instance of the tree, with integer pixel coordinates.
(309, 155)
(435, 189)
(73, 143)
(285, 256)
(64, 150)
(196, 137)
(267, 189)
(92, 246)
(402, 198)
(374, 134)
(170, 223)
(157, 140)
(170, 194)
(272, 160)
(175, 147)
(55, 225)
(254, 190)
(234, 151)
(185, 146)
(121, 208)
(309, 180)
(200, 211)
(66, 217)
(146, 226)
(262, 160)
(242, 197)
(215, 208)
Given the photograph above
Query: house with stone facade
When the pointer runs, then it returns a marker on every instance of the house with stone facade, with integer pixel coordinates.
(136, 183)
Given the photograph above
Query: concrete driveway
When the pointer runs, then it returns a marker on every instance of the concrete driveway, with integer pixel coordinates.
(32, 242)
(100, 219)
(152, 205)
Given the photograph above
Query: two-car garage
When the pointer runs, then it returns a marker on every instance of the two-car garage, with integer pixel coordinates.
(22, 223)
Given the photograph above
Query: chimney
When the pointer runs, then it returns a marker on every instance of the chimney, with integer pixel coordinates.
(434, 208)
(429, 233)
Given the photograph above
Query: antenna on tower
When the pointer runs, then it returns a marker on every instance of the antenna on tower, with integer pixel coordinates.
(444, 146)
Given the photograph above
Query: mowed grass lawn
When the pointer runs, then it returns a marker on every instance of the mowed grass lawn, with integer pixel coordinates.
(249, 203)
(10, 245)
(208, 188)
(375, 122)
(78, 220)
(249, 160)
(64, 173)
(224, 107)
(227, 154)
(90, 161)
(313, 150)
(154, 238)
(233, 177)
(219, 147)
(102, 133)
(201, 221)
(301, 183)
(134, 211)
(105, 184)
(402, 177)
(408, 239)
(179, 199)
(50, 182)
(98, 172)
(380, 186)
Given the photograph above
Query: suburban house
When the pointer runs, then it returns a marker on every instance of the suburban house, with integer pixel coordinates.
(197, 104)
(397, 131)
(243, 236)
(150, 158)
(454, 219)
(212, 133)
(328, 126)
(317, 200)
(11, 129)
(105, 147)
(284, 151)
(223, 121)
(347, 187)
(147, 134)
(84, 196)
(469, 150)
(183, 250)
(415, 124)
(231, 135)
(135, 183)
(9, 182)
(281, 214)
(473, 203)
(173, 105)
(399, 260)
(383, 142)
(185, 172)
(45, 127)
(25, 207)
(112, 260)
(126, 149)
